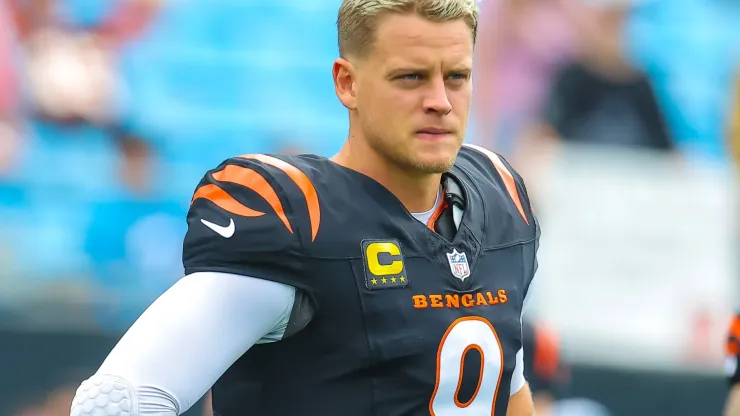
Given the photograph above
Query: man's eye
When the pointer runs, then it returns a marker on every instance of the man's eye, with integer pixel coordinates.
(411, 77)
(457, 77)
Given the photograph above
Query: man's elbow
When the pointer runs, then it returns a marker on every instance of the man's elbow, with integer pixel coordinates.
(520, 403)
(116, 396)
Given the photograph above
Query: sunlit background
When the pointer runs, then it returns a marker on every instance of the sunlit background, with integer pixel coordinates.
(622, 115)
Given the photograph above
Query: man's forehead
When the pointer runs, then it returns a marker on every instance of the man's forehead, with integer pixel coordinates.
(399, 56)
(426, 61)
(411, 30)
(405, 40)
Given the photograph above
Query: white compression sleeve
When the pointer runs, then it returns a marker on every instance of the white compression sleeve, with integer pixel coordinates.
(183, 343)
(517, 378)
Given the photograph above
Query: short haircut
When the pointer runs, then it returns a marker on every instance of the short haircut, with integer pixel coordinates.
(358, 19)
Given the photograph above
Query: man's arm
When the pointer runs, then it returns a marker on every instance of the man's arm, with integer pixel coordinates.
(520, 403)
(520, 400)
(183, 343)
(244, 260)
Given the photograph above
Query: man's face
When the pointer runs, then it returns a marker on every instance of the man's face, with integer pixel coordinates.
(414, 91)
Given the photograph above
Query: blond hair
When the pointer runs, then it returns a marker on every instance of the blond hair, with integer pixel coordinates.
(357, 19)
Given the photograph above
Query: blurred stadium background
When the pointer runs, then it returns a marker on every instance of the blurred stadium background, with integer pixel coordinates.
(623, 116)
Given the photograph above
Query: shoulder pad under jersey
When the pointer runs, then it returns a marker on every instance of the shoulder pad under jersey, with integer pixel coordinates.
(252, 215)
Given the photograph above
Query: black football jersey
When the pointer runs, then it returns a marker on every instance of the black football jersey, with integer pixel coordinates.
(390, 318)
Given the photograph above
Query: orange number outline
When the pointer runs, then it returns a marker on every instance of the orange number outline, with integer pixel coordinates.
(462, 363)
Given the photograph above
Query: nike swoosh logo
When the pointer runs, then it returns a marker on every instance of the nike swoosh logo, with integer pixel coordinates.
(225, 232)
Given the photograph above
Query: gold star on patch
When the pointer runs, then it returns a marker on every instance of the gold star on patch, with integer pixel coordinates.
(393, 280)
(403, 279)
(374, 281)
(384, 280)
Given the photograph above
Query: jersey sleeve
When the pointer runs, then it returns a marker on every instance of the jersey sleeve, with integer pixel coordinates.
(527, 211)
(515, 187)
(247, 217)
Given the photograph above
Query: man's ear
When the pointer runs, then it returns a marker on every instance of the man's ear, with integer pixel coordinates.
(345, 82)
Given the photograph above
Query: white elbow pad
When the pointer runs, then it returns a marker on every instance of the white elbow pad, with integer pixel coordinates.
(105, 395)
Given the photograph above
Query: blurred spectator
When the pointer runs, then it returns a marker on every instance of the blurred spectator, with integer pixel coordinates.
(72, 69)
(690, 51)
(10, 138)
(521, 45)
(555, 69)
(599, 98)
(8, 82)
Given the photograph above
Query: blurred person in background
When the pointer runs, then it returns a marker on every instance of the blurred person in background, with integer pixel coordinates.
(10, 102)
(555, 70)
(522, 44)
(599, 98)
(73, 81)
(78, 101)
(270, 293)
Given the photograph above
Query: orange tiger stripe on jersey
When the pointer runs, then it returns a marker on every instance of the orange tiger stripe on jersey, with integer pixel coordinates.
(733, 336)
(254, 181)
(303, 182)
(225, 201)
(506, 175)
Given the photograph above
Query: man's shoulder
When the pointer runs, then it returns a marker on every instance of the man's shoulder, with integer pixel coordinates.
(485, 164)
(254, 209)
(492, 174)
(269, 189)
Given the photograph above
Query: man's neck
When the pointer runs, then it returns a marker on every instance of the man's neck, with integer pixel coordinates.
(416, 192)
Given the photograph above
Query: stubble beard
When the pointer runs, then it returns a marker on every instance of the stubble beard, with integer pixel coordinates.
(406, 161)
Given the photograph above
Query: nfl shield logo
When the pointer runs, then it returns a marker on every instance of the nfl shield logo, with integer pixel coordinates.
(458, 264)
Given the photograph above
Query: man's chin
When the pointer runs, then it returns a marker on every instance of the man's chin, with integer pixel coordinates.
(432, 165)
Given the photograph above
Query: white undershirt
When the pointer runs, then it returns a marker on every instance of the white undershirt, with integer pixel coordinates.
(214, 315)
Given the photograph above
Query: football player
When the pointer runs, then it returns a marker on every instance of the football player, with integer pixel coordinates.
(388, 280)
(732, 352)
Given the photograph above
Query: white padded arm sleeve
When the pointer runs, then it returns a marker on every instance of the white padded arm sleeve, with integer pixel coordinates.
(183, 343)
(517, 378)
